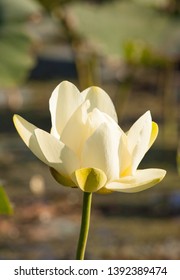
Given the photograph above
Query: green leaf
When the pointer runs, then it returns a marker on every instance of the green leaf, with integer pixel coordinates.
(5, 206)
(16, 59)
(111, 25)
(18, 10)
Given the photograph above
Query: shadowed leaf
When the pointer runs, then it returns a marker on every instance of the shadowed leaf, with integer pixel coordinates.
(5, 206)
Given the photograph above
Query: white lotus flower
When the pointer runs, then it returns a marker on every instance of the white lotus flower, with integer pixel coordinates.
(87, 148)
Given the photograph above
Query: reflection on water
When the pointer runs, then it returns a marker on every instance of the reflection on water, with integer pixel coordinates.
(47, 216)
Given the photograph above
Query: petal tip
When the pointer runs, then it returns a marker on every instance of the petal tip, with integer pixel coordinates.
(15, 118)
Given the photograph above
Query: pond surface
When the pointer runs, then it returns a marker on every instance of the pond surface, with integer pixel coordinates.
(46, 219)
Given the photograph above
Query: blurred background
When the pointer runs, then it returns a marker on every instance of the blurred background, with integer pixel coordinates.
(131, 49)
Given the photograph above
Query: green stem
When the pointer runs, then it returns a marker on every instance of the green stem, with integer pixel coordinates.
(85, 223)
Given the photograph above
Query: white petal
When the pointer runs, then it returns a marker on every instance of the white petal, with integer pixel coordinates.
(142, 180)
(58, 155)
(74, 133)
(26, 131)
(82, 125)
(101, 150)
(64, 100)
(125, 159)
(100, 99)
(138, 138)
(96, 118)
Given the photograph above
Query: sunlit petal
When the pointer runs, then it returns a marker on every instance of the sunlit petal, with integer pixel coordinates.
(75, 131)
(26, 132)
(96, 118)
(142, 180)
(58, 155)
(101, 150)
(138, 139)
(125, 159)
(64, 100)
(100, 99)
